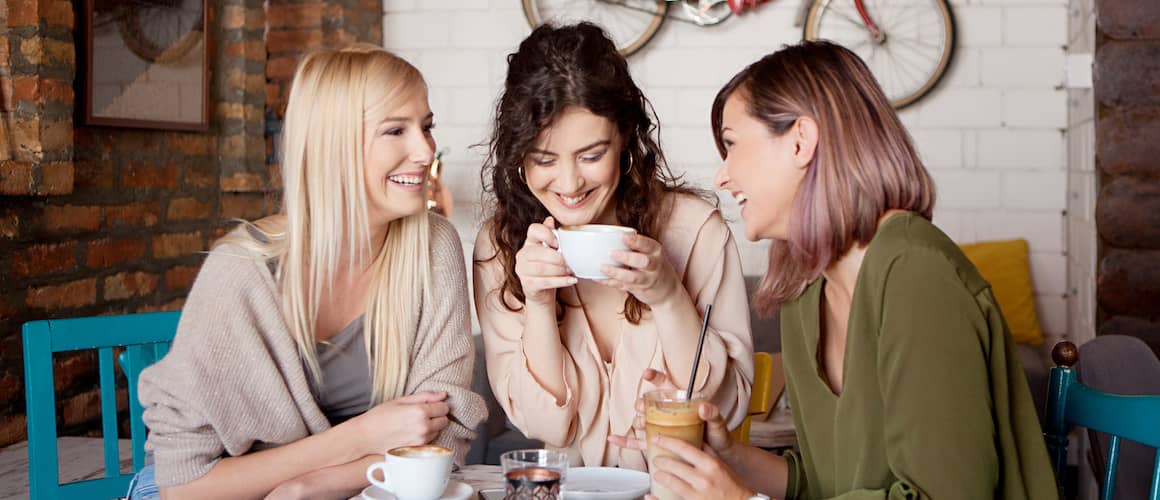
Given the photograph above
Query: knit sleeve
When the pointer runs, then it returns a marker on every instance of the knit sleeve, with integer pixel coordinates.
(231, 344)
(444, 353)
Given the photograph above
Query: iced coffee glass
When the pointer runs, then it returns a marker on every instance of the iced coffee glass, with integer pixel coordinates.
(669, 412)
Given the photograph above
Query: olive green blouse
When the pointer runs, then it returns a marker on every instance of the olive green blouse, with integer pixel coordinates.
(934, 403)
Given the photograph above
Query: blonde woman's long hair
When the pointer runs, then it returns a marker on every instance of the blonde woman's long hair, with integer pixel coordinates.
(325, 210)
(863, 166)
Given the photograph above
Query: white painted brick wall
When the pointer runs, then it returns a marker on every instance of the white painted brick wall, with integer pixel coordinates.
(992, 134)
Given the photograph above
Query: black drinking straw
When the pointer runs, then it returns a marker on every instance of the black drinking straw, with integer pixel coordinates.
(697, 357)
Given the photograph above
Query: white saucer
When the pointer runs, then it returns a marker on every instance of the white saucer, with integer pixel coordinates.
(455, 491)
(604, 483)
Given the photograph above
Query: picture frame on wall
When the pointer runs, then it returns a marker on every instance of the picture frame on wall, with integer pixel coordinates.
(145, 64)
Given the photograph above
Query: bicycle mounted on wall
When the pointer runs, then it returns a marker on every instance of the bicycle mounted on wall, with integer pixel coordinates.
(907, 44)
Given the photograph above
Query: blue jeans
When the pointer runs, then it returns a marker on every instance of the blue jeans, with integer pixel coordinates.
(144, 486)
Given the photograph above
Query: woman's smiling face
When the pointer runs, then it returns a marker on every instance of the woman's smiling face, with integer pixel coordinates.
(762, 170)
(573, 168)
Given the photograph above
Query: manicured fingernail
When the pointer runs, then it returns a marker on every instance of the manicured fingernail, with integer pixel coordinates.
(573, 280)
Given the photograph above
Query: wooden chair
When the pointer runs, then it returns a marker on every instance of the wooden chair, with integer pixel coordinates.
(759, 399)
(1069, 403)
(144, 338)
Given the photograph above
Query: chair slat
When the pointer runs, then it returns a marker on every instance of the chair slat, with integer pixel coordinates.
(110, 487)
(40, 408)
(1154, 493)
(135, 362)
(1131, 417)
(145, 328)
(109, 411)
(1109, 485)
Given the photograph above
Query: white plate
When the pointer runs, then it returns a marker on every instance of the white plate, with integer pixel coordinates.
(604, 483)
(455, 491)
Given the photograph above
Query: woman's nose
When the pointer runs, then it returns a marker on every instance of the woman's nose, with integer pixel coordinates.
(722, 178)
(570, 179)
(423, 150)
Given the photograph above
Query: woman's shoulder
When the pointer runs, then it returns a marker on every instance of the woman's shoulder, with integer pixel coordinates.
(687, 216)
(909, 239)
(443, 232)
(689, 206)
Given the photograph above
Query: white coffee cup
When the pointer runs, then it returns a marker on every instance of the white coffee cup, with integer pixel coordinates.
(413, 472)
(588, 247)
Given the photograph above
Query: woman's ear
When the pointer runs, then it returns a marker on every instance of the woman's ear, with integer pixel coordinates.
(805, 141)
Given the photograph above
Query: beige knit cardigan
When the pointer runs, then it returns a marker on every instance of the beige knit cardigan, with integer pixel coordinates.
(233, 381)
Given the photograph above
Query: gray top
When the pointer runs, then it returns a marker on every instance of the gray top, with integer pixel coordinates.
(346, 378)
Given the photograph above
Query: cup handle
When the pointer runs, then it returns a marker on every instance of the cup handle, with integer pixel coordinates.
(556, 233)
(386, 482)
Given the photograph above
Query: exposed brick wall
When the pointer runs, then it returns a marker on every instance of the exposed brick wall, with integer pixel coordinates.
(97, 220)
(1127, 69)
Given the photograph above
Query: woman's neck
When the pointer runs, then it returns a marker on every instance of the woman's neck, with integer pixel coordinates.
(842, 274)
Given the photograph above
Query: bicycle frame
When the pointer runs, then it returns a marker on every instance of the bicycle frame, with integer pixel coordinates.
(712, 12)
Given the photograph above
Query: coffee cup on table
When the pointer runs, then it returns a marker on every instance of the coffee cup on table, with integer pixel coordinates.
(413, 472)
(586, 248)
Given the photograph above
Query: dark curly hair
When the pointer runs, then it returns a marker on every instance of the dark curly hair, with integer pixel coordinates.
(554, 68)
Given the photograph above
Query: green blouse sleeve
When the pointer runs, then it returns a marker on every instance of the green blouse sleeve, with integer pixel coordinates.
(932, 371)
(795, 484)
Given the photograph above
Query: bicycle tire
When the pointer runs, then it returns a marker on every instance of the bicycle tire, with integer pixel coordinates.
(810, 32)
(626, 48)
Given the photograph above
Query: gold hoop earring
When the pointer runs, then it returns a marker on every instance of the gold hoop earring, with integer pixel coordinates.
(520, 170)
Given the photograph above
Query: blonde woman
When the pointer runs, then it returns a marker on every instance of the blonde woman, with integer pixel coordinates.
(316, 339)
(901, 371)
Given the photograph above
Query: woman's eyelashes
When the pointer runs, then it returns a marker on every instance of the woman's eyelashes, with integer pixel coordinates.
(592, 157)
(397, 131)
(544, 161)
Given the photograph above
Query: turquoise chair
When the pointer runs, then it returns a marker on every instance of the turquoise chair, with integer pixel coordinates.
(1069, 403)
(145, 339)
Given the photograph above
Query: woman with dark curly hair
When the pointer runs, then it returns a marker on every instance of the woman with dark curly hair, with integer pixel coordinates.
(574, 143)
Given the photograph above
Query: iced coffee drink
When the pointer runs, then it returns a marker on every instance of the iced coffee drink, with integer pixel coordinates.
(670, 413)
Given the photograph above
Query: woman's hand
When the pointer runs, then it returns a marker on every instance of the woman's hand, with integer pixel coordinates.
(647, 274)
(540, 267)
(695, 473)
(408, 421)
(293, 489)
(716, 432)
(658, 380)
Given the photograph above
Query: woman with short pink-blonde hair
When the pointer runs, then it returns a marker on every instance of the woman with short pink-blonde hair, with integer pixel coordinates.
(901, 372)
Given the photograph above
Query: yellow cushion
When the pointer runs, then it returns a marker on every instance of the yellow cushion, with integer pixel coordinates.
(1004, 264)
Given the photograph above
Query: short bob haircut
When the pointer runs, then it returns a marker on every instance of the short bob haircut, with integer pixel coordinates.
(863, 166)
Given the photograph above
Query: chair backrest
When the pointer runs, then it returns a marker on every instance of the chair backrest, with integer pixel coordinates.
(1121, 364)
(759, 399)
(1070, 402)
(145, 338)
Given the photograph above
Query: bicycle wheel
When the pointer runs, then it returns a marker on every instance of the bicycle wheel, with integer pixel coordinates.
(911, 54)
(630, 23)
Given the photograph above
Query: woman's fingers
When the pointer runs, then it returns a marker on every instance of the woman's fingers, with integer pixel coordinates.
(436, 409)
(674, 467)
(540, 234)
(695, 456)
(631, 443)
(423, 397)
(633, 260)
(658, 379)
(641, 243)
(548, 283)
